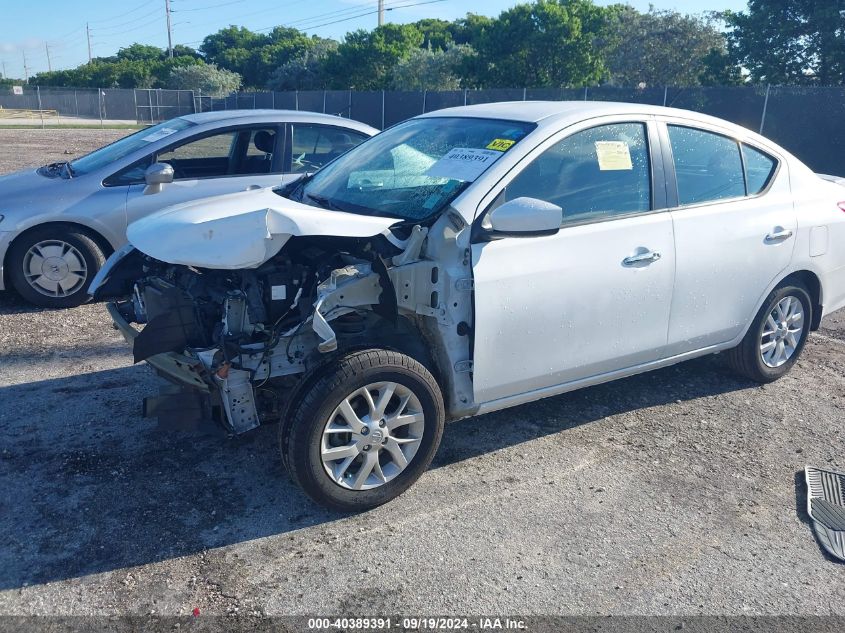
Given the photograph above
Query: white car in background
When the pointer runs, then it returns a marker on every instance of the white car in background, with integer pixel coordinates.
(58, 223)
(474, 259)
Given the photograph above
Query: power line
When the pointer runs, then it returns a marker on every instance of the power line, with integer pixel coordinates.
(125, 13)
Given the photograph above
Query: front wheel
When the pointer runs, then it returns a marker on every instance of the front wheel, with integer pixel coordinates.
(777, 336)
(52, 266)
(364, 431)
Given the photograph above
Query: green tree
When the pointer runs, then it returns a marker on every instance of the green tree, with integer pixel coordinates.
(427, 69)
(790, 41)
(205, 78)
(546, 43)
(141, 52)
(305, 71)
(254, 55)
(437, 33)
(661, 48)
(365, 59)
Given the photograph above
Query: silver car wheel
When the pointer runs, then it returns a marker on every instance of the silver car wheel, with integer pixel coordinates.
(55, 268)
(782, 332)
(372, 436)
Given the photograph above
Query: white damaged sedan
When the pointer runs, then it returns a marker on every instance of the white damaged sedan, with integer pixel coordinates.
(474, 259)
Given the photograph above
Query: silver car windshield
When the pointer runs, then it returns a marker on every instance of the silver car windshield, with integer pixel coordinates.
(413, 170)
(127, 145)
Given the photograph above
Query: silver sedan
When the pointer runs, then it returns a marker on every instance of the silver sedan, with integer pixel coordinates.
(58, 223)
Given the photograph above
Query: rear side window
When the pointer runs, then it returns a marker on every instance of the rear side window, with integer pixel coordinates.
(708, 166)
(594, 174)
(759, 169)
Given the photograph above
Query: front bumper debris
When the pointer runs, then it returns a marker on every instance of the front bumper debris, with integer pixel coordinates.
(177, 368)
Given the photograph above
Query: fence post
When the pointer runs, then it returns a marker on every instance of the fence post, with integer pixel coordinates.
(324, 101)
(40, 109)
(425, 97)
(665, 95)
(525, 94)
(274, 99)
(100, 105)
(466, 94)
(296, 99)
(765, 107)
(135, 104)
(349, 110)
(586, 89)
(382, 109)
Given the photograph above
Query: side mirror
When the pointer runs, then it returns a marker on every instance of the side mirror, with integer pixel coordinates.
(156, 176)
(525, 217)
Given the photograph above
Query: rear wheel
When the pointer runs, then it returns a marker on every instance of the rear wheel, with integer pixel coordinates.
(775, 340)
(365, 430)
(52, 266)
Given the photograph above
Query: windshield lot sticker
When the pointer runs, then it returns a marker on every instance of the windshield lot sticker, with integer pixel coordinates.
(159, 134)
(614, 156)
(463, 163)
(501, 145)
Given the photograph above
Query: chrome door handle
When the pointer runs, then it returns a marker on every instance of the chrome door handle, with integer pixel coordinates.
(779, 236)
(642, 258)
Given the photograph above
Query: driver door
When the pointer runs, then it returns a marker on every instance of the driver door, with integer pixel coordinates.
(593, 298)
(214, 164)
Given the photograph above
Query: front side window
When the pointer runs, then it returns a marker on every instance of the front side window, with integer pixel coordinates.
(203, 158)
(413, 170)
(239, 152)
(312, 146)
(593, 174)
(708, 166)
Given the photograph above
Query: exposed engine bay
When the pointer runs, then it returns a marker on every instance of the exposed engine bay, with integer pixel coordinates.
(249, 337)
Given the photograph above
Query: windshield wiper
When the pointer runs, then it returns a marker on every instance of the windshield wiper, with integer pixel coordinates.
(323, 201)
(69, 169)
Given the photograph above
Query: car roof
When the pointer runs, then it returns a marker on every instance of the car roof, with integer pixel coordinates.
(556, 112)
(269, 115)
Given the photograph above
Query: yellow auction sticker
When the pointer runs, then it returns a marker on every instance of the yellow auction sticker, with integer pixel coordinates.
(501, 145)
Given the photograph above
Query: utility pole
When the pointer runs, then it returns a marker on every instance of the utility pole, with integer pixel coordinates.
(88, 32)
(25, 68)
(4, 69)
(169, 30)
(49, 63)
(380, 12)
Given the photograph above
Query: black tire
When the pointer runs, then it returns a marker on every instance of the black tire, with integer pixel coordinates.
(84, 244)
(301, 436)
(746, 358)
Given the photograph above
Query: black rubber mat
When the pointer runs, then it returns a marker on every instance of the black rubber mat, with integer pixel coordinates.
(826, 507)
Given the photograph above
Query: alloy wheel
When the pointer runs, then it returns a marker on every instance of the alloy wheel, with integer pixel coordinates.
(782, 332)
(372, 436)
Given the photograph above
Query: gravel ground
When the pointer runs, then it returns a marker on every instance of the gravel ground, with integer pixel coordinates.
(676, 492)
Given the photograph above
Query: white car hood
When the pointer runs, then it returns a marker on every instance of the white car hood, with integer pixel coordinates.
(240, 230)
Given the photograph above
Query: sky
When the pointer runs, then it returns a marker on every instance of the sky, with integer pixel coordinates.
(58, 27)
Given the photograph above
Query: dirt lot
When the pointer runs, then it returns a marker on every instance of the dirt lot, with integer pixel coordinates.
(676, 492)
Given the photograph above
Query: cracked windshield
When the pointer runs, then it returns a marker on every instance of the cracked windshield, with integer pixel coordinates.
(413, 170)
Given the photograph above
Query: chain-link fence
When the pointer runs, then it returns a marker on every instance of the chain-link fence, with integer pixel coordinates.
(50, 106)
(778, 112)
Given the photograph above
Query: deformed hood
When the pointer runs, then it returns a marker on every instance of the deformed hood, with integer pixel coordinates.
(240, 230)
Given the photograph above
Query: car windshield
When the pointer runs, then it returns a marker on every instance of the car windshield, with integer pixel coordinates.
(128, 144)
(413, 170)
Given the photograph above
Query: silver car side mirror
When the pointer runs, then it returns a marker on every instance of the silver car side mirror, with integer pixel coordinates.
(156, 176)
(525, 217)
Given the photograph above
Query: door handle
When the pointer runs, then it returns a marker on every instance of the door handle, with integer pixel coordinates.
(778, 236)
(643, 258)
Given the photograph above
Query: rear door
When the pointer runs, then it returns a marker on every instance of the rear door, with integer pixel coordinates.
(735, 226)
